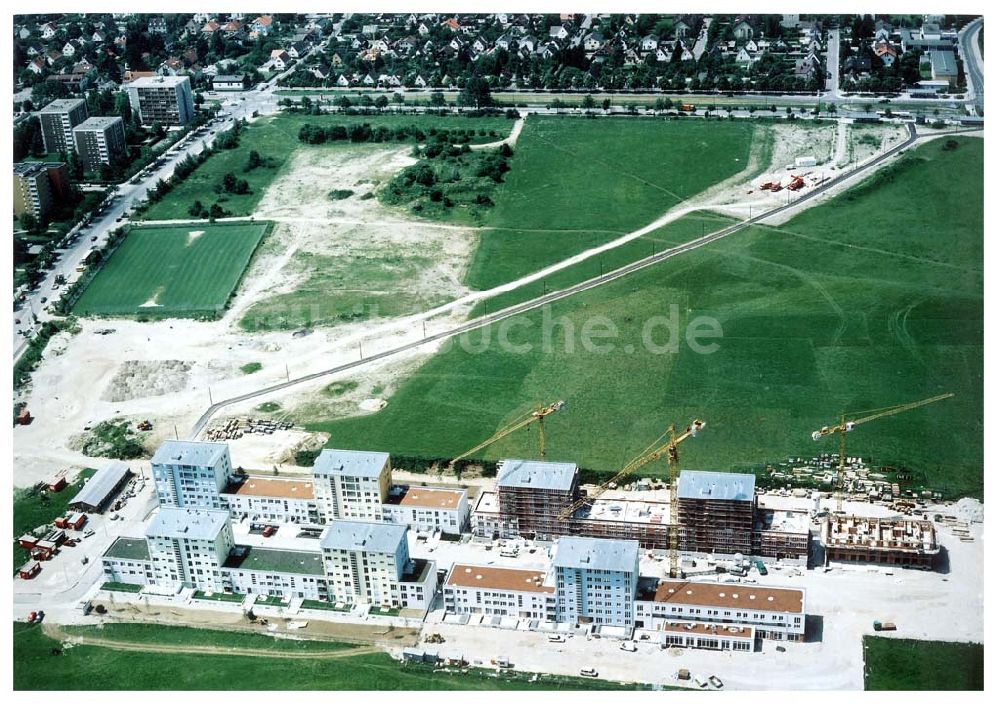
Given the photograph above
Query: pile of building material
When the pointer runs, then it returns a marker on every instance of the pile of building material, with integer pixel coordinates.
(236, 427)
(959, 528)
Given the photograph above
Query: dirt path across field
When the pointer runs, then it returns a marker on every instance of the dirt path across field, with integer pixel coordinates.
(58, 633)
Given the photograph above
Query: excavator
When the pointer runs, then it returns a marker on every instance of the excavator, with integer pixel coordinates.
(656, 450)
(848, 422)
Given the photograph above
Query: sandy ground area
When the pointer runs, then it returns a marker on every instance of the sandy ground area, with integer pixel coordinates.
(169, 371)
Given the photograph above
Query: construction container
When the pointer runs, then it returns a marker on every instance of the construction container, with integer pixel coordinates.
(59, 522)
(76, 521)
(27, 541)
(805, 161)
(24, 417)
(57, 484)
(43, 550)
(29, 569)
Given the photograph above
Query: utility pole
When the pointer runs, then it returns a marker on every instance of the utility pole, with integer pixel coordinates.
(287, 377)
(361, 353)
(176, 435)
(424, 323)
(210, 396)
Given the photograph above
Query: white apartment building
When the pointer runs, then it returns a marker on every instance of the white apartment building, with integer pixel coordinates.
(428, 509)
(351, 485)
(268, 499)
(276, 572)
(596, 580)
(166, 100)
(369, 563)
(500, 591)
(191, 474)
(127, 562)
(772, 612)
(189, 547)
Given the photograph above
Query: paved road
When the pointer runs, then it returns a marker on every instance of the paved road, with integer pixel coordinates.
(833, 64)
(554, 296)
(972, 58)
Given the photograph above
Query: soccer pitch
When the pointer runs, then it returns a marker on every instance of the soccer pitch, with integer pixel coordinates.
(181, 271)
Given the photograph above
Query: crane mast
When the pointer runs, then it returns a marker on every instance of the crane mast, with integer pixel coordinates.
(846, 425)
(657, 450)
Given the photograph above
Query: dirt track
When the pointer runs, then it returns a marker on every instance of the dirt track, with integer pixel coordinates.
(58, 633)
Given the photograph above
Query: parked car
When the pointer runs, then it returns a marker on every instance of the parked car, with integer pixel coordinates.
(629, 646)
(716, 683)
(588, 673)
(556, 638)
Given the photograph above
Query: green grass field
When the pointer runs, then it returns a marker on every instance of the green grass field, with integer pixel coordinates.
(276, 139)
(173, 271)
(904, 664)
(872, 299)
(576, 183)
(86, 667)
(33, 509)
(343, 289)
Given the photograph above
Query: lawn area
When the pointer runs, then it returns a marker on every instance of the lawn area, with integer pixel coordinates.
(187, 636)
(276, 138)
(173, 271)
(904, 664)
(853, 305)
(576, 183)
(36, 508)
(85, 667)
(337, 289)
(682, 230)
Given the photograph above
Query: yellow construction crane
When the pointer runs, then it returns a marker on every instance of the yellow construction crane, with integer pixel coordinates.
(539, 414)
(845, 425)
(654, 451)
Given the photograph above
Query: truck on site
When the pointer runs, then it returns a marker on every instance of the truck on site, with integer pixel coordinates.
(883, 625)
(688, 107)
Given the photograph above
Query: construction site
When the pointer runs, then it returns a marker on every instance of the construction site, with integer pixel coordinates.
(905, 542)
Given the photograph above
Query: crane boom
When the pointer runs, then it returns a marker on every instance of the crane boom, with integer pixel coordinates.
(654, 451)
(538, 414)
(847, 425)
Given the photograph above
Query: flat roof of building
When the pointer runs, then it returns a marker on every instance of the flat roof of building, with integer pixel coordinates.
(416, 571)
(355, 535)
(487, 502)
(158, 81)
(424, 497)
(596, 553)
(755, 598)
(62, 105)
(259, 559)
(228, 78)
(350, 462)
(523, 473)
(271, 487)
(191, 523)
(101, 485)
(943, 63)
(129, 549)
(722, 631)
(715, 486)
(98, 123)
(179, 452)
(503, 578)
(25, 168)
(630, 510)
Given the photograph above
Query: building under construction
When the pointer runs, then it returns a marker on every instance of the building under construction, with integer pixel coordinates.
(715, 512)
(718, 513)
(901, 542)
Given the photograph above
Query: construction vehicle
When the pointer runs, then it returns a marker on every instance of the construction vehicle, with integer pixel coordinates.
(883, 625)
(846, 425)
(767, 186)
(654, 451)
(776, 187)
(434, 638)
(796, 183)
(688, 107)
(539, 414)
